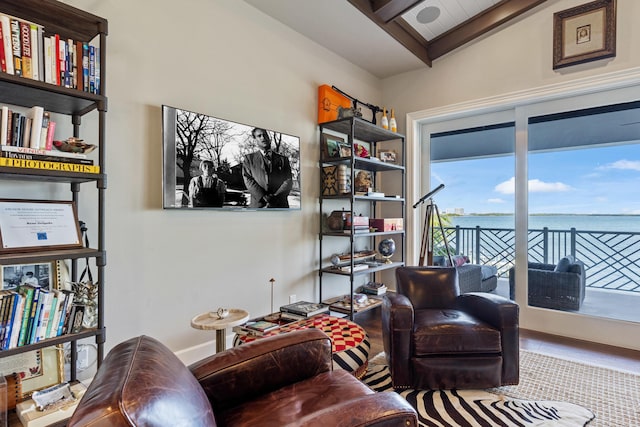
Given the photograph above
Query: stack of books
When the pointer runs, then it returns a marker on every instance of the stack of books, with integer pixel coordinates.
(302, 310)
(374, 288)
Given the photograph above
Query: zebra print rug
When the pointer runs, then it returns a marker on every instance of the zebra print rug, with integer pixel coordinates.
(448, 408)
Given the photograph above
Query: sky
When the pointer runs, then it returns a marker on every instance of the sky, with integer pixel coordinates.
(602, 180)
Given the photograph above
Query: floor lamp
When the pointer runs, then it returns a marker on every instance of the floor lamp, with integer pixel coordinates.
(432, 214)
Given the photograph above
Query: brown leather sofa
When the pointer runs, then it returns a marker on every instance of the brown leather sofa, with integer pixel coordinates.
(286, 380)
(436, 338)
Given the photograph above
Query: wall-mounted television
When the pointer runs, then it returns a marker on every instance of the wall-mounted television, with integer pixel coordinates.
(214, 163)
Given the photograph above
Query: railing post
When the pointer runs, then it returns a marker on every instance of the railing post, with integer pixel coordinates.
(458, 240)
(477, 248)
(545, 245)
(573, 242)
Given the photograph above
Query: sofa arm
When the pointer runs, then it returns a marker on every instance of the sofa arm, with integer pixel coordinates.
(397, 328)
(241, 373)
(503, 314)
(383, 409)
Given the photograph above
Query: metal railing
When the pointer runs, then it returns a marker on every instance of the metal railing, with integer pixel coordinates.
(611, 258)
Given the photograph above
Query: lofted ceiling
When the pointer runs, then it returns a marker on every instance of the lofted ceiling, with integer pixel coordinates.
(388, 37)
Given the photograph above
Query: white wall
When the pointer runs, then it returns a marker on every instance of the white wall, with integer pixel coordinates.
(226, 59)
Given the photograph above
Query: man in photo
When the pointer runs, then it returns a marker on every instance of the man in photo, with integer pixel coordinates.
(207, 190)
(267, 174)
(29, 279)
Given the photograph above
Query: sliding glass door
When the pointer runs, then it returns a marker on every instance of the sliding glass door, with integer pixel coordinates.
(553, 186)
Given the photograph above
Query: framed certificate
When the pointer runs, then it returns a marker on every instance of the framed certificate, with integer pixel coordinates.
(36, 225)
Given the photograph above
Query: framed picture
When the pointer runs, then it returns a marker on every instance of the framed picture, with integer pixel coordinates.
(584, 33)
(44, 275)
(213, 163)
(388, 156)
(331, 146)
(37, 369)
(32, 225)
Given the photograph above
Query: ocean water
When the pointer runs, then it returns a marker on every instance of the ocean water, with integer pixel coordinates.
(630, 223)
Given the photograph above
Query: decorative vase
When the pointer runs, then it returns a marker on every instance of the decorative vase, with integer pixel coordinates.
(335, 221)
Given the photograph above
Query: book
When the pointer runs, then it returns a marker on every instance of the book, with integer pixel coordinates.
(27, 293)
(261, 325)
(6, 43)
(48, 165)
(25, 41)
(16, 325)
(305, 308)
(4, 123)
(28, 156)
(36, 55)
(356, 267)
(50, 153)
(16, 46)
(46, 59)
(3, 59)
(51, 130)
(374, 288)
(36, 114)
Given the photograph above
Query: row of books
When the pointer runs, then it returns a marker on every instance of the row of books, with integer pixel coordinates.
(31, 314)
(26, 51)
(35, 129)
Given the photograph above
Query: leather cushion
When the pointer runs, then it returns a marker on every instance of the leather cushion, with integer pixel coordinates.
(447, 331)
(288, 405)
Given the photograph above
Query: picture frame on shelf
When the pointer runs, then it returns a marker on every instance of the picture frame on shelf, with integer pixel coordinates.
(38, 369)
(584, 33)
(37, 225)
(388, 156)
(44, 275)
(331, 146)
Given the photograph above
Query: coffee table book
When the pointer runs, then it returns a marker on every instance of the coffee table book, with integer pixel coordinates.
(304, 308)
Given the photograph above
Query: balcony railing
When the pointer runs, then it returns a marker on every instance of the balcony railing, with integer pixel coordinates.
(612, 258)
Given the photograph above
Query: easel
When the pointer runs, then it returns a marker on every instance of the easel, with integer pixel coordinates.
(431, 215)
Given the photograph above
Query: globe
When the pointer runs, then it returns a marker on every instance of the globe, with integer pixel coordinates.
(386, 248)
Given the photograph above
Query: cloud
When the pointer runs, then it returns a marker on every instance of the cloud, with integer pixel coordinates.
(496, 201)
(535, 186)
(623, 165)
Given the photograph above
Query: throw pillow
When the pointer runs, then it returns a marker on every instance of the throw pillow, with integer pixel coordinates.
(563, 264)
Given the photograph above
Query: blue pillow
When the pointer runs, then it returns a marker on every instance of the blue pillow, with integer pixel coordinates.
(563, 264)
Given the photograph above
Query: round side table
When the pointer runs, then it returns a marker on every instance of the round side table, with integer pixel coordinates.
(211, 321)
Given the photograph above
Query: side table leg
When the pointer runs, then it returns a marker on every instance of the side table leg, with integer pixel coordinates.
(221, 337)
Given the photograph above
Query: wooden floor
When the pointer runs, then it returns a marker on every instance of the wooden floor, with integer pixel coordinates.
(567, 348)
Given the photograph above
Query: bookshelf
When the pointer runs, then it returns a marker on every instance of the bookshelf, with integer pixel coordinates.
(348, 132)
(67, 103)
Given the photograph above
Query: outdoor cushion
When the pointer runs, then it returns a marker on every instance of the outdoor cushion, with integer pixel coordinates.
(563, 264)
(488, 271)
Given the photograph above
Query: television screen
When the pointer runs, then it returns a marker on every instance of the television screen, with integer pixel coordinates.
(213, 163)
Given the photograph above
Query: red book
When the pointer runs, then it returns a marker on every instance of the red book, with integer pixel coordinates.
(3, 61)
(50, 133)
(56, 54)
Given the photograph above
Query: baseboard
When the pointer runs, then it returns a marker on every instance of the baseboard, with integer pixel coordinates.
(198, 352)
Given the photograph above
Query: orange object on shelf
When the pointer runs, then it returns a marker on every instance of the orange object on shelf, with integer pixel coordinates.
(329, 102)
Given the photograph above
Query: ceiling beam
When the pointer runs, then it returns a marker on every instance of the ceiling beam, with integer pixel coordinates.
(395, 30)
(479, 25)
(388, 10)
(379, 11)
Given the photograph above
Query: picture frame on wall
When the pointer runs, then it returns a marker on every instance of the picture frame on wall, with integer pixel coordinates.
(218, 164)
(584, 33)
(37, 369)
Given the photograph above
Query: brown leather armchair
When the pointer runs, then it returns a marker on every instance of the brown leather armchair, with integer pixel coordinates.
(436, 338)
(286, 380)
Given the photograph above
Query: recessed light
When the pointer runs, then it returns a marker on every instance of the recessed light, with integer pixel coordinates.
(428, 15)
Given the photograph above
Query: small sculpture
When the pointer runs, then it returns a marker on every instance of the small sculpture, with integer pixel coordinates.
(74, 145)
